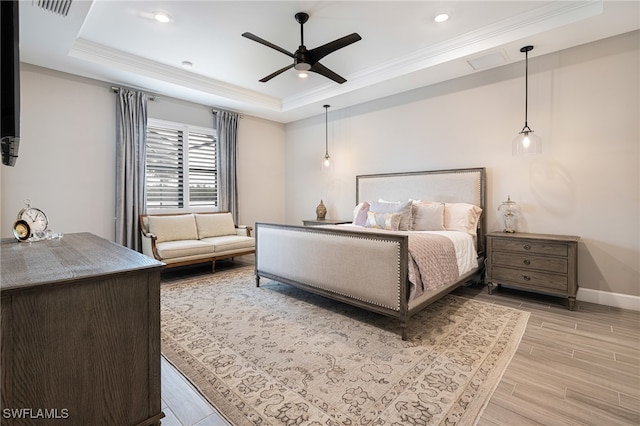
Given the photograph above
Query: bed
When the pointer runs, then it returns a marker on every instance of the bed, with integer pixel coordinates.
(373, 268)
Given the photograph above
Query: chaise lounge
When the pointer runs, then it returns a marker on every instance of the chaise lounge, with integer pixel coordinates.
(180, 239)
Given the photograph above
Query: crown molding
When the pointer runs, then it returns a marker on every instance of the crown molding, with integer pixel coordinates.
(528, 24)
(513, 30)
(100, 54)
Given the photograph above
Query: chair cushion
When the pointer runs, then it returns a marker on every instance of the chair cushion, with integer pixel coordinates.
(175, 249)
(215, 224)
(173, 228)
(231, 242)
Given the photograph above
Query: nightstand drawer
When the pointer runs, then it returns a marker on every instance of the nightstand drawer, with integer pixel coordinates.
(558, 265)
(530, 278)
(536, 247)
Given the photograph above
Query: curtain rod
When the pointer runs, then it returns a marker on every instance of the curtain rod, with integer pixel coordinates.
(151, 97)
(216, 110)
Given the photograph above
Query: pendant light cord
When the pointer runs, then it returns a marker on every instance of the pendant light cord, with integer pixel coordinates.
(326, 131)
(526, 86)
(526, 50)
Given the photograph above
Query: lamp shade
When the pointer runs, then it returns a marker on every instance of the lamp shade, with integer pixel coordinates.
(326, 162)
(526, 143)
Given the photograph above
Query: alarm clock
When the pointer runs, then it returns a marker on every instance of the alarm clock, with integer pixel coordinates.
(21, 230)
(34, 218)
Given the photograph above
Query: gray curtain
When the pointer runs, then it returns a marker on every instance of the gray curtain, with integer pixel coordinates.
(226, 124)
(131, 139)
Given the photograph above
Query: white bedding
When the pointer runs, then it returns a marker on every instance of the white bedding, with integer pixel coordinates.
(466, 254)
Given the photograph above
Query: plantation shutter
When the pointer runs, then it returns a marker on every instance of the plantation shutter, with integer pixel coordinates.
(165, 165)
(181, 166)
(203, 176)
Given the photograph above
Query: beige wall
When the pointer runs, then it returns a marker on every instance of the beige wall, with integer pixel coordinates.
(66, 160)
(66, 163)
(583, 102)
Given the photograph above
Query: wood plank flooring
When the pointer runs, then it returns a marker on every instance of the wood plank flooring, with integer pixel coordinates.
(577, 367)
(182, 404)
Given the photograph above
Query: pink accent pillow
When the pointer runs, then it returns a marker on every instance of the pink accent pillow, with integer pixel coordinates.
(360, 214)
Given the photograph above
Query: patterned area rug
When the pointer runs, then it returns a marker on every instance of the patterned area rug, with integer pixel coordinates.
(276, 355)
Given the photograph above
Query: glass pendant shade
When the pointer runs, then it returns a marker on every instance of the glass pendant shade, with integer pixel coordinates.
(326, 162)
(527, 143)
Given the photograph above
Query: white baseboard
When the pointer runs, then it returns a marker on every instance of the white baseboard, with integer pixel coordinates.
(618, 300)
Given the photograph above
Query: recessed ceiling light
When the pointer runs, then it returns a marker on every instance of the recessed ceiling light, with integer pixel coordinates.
(303, 75)
(162, 17)
(441, 17)
(187, 64)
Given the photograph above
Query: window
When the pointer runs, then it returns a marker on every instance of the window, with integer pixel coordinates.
(181, 166)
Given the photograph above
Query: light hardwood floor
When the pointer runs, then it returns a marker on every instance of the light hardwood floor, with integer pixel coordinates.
(577, 367)
(182, 404)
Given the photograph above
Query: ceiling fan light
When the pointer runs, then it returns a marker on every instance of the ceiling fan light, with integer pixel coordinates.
(303, 74)
(302, 66)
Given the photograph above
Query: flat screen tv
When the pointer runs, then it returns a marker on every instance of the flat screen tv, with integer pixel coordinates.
(9, 81)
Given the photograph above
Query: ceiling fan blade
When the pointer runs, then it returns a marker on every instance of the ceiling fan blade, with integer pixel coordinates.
(268, 44)
(280, 71)
(322, 70)
(322, 51)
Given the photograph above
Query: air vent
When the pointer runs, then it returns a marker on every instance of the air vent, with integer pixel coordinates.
(60, 7)
(487, 61)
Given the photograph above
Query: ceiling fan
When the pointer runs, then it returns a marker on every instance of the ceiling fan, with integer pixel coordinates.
(308, 60)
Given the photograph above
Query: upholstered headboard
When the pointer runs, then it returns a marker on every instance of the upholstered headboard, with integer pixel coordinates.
(447, 186)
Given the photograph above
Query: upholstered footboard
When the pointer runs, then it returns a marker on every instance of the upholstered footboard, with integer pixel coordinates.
(365, 270)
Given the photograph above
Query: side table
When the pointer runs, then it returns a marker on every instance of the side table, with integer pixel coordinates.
(534, 262)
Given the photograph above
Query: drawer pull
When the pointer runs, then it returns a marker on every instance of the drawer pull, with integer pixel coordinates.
(526, 262)
(527, 247)
(526, 277)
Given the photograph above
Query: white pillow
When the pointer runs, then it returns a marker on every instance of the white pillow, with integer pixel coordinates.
(427, 216)
(173, 228)
(215, 225)
(461, 217)
(388, 221)
(404, 209)
(360, 214)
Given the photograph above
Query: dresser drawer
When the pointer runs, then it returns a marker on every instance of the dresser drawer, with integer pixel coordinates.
(531, 279)
(536, 247)
(558, 265)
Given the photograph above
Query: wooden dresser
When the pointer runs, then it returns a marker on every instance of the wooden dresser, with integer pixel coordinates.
(80, 326)
(536, 262)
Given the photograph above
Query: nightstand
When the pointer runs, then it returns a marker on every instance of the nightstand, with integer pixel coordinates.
(534, 262)
(314, 222)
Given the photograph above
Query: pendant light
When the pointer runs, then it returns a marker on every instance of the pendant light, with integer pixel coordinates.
(526, 142)
(326, 162)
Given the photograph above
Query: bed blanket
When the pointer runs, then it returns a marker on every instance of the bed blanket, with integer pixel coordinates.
(432, 262)
(432, 258)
